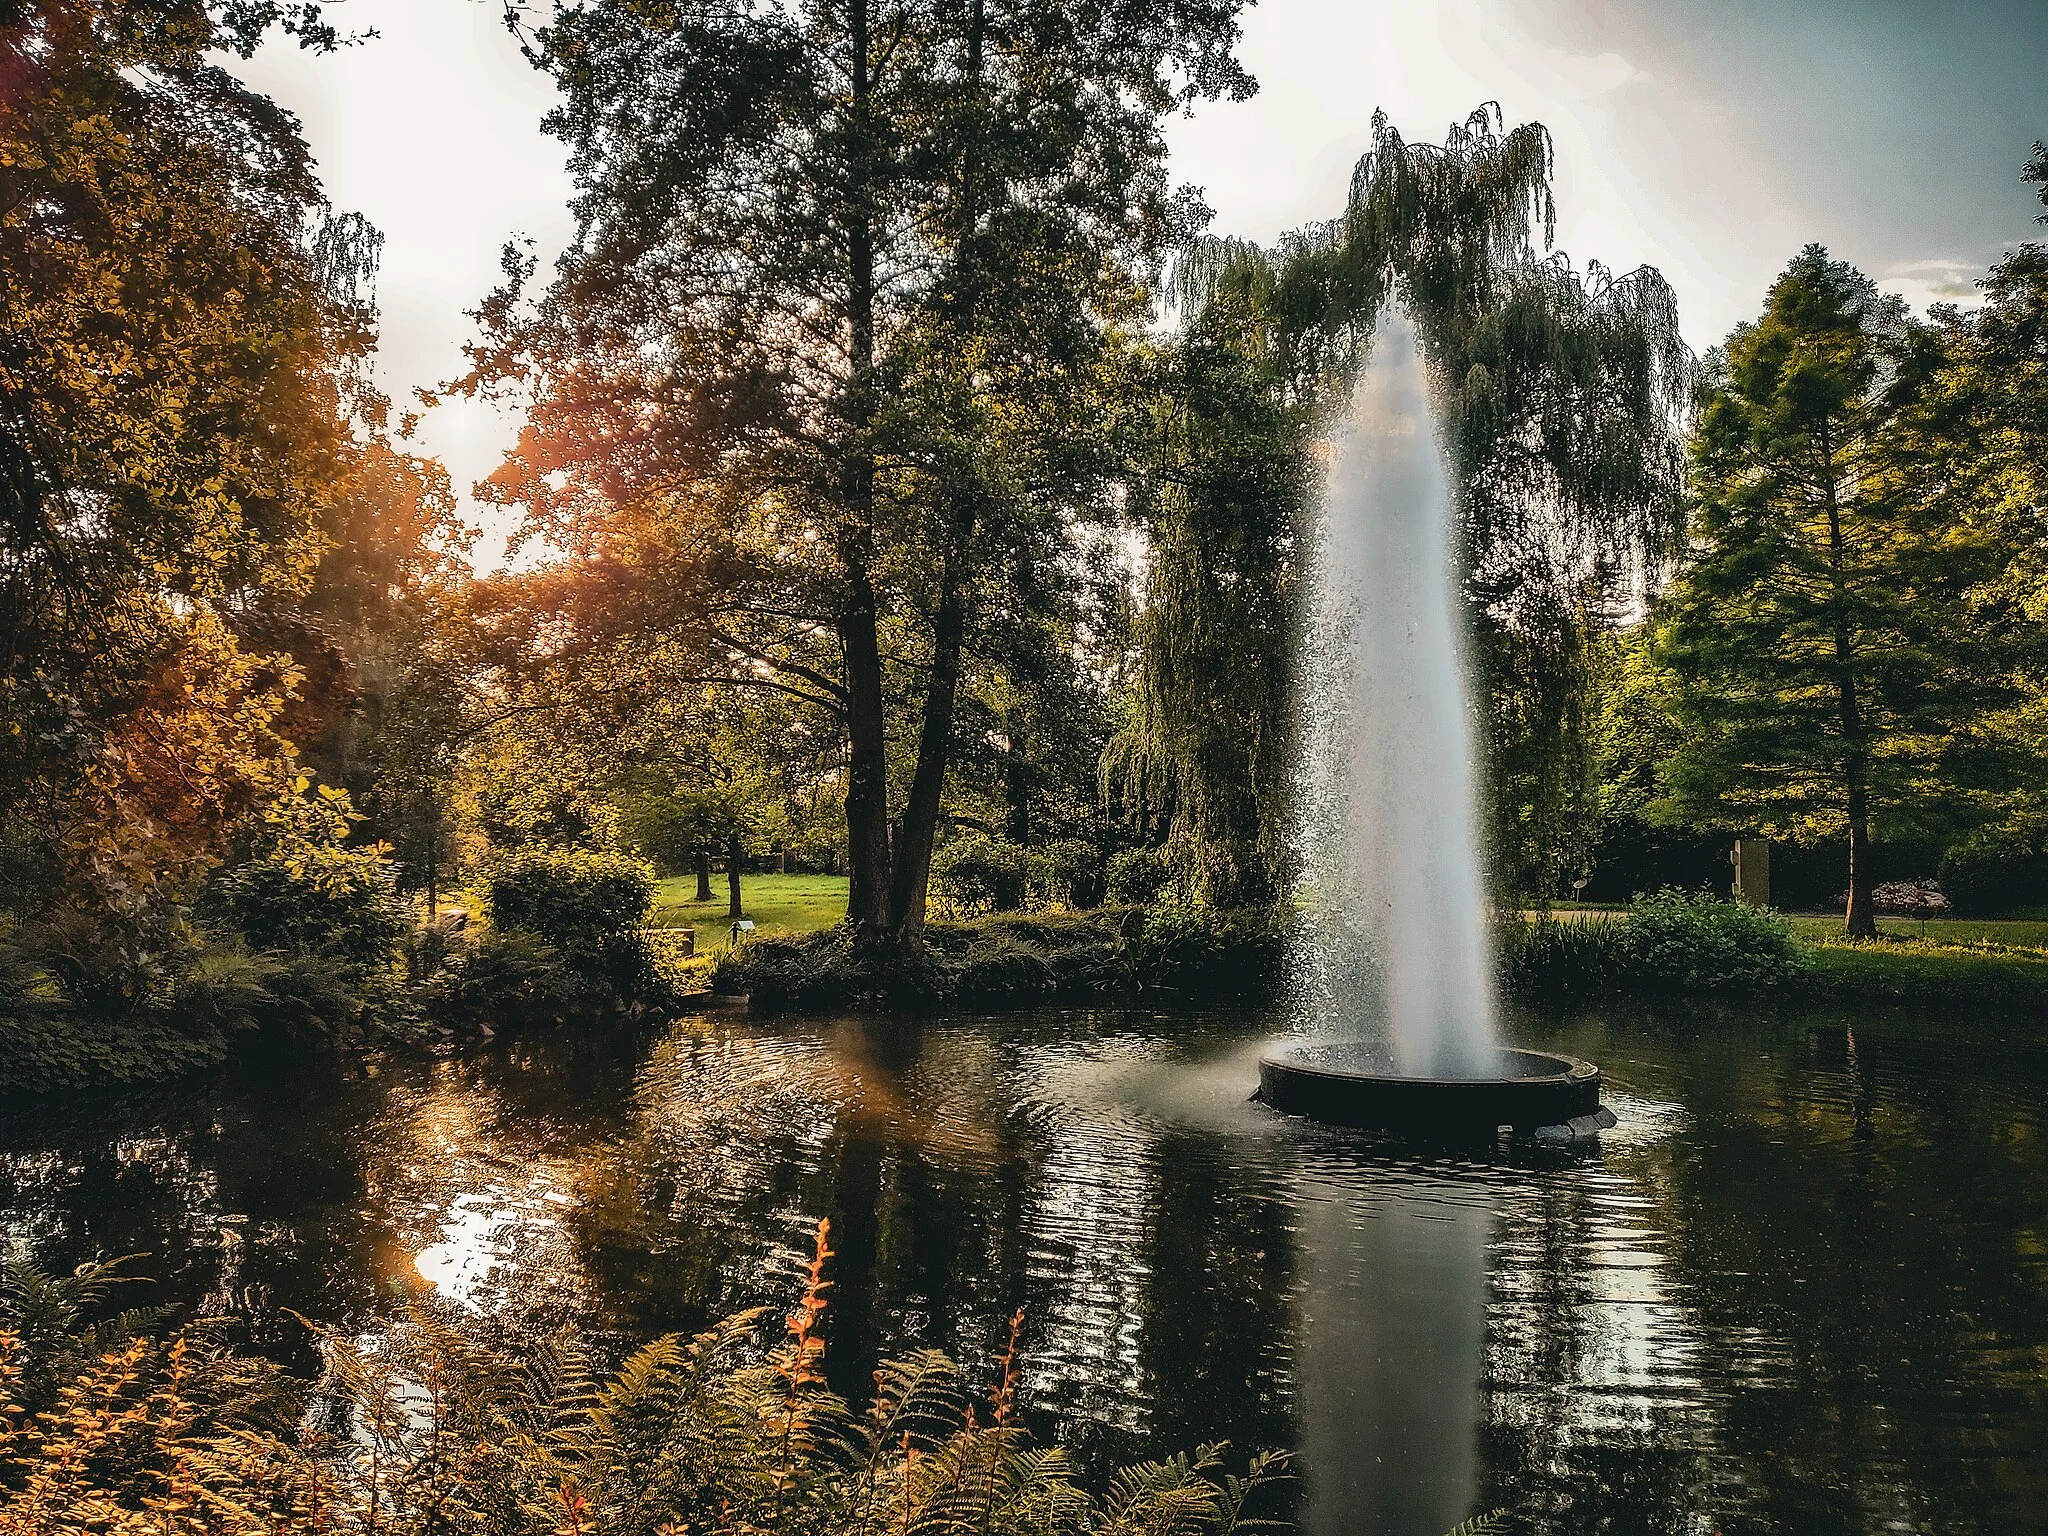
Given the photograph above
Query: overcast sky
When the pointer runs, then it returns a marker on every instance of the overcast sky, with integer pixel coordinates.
(1709, 138)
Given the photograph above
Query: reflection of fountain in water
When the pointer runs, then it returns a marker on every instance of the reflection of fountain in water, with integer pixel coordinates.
(1393, 949)
(1390, 1354)
(1595, 1351)
(1087, 1230)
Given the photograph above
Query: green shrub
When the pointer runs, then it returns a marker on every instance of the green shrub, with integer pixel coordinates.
(979, 873)
(1235, 952)
(587, 907)
(1672, 942)
(1136, 876)
(1066, 872)
(826, 970)
(1549, 956)
(1110, 952)
(467, 984)
(1003, 966)
(83, 1001)
(318, 899)
(1989, 876)
(1084, 954)
(1695, 943)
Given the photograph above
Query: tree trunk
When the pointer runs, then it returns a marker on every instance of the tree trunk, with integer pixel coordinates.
(867, 769)
(703, 875)
(919, 832)
(733, 858)
(867, 774)
(913, 852)
(433, 858)
(1017, 788)
(1860, 920)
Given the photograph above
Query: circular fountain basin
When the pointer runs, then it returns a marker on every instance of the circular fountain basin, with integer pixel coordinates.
(1345, 1084)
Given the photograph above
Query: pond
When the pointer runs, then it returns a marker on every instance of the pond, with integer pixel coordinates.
(1802, 1286)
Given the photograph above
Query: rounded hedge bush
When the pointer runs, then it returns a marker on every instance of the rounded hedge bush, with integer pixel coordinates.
(979, 873)
(1136, 876)
(1988, 876)
(316, 899)
(588, 907)
(1679, 942)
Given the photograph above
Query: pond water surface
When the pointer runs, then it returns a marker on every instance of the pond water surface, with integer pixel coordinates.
(1802, 1287)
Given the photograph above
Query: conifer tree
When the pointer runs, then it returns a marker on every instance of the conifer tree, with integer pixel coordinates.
(1834, 627)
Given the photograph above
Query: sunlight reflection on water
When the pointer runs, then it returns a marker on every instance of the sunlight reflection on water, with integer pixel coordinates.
(1785, 1231)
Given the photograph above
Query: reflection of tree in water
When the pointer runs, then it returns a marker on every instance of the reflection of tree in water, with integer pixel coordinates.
(1815, 1302)
(1216, 1316)
(1860, 1303)
(960, 1186)
(739, 1142)
(232, 1195)
(713, 1169)
(1856, 1217)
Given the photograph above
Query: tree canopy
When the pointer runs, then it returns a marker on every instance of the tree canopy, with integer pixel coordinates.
(1837, 626)
(176, 325)
(848, 280)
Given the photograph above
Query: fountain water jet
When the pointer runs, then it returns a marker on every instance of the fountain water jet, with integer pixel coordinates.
(1394, 944)
(1390, 960)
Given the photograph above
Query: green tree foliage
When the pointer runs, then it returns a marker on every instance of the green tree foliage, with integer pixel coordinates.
(302, 891)
(1838, 626)
(1562, 395)
(1986, 428)
(1223, 485)
(174, 320)
(389, 615)
(733, 774)
(848, 283)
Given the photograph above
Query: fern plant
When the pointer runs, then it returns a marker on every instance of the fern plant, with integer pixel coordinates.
(429, 1430)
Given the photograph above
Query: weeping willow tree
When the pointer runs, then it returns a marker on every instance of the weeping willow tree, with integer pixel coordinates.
(1563, 395)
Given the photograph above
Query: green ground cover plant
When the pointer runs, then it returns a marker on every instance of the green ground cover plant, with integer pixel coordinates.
(1950, 932)
(1930, 973)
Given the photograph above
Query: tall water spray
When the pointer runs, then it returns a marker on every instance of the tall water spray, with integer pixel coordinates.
(1392, 948)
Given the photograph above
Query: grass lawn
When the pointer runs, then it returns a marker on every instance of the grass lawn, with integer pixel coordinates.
(2013, 933)
(778, 904)
(1824, 928)
(1946, 977)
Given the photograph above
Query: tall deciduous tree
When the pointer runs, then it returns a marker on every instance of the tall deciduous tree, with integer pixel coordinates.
(389, 613)
(843, 269)
(172, 331)
(1836, 627)
(1222, 484)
